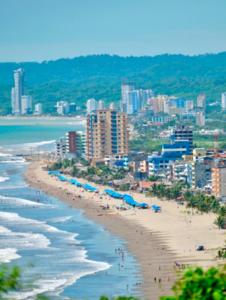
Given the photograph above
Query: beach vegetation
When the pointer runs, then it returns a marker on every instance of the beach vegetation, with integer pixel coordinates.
(200, 284)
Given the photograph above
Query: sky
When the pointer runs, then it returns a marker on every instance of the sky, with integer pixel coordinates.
(37, 30)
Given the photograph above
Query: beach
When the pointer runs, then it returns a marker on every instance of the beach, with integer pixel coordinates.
(162, 242)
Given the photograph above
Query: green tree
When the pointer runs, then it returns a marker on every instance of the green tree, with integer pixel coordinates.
(9, 279)
(199, 284)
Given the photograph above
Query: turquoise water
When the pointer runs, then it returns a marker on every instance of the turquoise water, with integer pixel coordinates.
(61, 252)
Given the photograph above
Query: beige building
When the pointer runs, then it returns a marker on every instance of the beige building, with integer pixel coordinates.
(219, 180)
(107, 134)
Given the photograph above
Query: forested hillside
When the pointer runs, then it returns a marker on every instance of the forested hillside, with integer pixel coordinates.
(100, 76)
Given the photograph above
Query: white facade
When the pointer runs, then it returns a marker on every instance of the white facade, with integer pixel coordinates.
(112, 106)
(200, 119)
(101, 104)
(63, 108)
(17, 91)
(201, 101)
(223, 101)
(91, 105)
(26, 105)
(125, 89)
(38, 109)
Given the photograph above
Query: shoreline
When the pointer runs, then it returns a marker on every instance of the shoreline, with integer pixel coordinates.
(151, 245)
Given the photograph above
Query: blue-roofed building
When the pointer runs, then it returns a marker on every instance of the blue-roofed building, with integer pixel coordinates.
(161, 164)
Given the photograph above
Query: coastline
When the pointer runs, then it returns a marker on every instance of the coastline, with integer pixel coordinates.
(152, 246)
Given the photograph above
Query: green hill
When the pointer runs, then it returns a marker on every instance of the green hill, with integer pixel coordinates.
(99, 76)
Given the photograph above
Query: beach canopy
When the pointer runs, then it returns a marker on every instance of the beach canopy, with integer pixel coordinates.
(54, 172)
(114, 194)
(62, 178)
(89, 187)
(130, 200)
(156, 208)
(75, 182)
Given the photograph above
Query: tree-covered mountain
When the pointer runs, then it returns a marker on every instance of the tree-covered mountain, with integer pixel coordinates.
(100, 76)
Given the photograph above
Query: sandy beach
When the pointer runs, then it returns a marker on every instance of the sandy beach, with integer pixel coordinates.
(159, 241)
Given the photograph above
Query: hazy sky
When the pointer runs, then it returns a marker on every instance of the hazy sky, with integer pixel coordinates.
(50, 29)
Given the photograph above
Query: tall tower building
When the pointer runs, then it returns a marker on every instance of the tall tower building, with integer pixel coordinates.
(91, 105)
(125, 89)
(17, 91)
(100, 104)
(201, 101)
(107, 134)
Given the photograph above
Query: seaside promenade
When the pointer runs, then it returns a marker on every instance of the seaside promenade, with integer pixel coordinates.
(162, 242)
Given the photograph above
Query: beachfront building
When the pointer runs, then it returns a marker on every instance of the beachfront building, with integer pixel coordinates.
(38, 109)
(202, 172)
(107, 134)
(73, 144)
(17, 91)
(219, 179)
(26, 105)
(61, 148)
(76, 143)
(62, 108)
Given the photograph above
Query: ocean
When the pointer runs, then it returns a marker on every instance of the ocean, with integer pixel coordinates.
(61, 252)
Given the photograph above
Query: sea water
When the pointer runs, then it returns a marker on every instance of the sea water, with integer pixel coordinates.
(61, 253)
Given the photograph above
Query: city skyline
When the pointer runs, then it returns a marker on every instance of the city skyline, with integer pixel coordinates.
(134, 28)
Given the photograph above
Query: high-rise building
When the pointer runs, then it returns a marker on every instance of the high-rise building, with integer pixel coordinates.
(133, 102)
(17, 91)
(125, 89)
(26, 105)
(112, 106)
(72, 108)
(183, 133)
(100, 104)
(38, 109)
(201, 101)
(76, 143)
(223, 101)
(107, 134)
(200, 118)
(91, 105)
(62, 107)
(145, 95)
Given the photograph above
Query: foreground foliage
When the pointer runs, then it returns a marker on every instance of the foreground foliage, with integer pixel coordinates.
(197, 284)
(194, 284)
(9, 279)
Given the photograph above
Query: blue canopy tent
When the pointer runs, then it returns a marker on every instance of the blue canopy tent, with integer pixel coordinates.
(129, 200)
(62, 178)
(75, 182)
(55, 173)
(156, 208)
(114, 194)
(89, 187)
